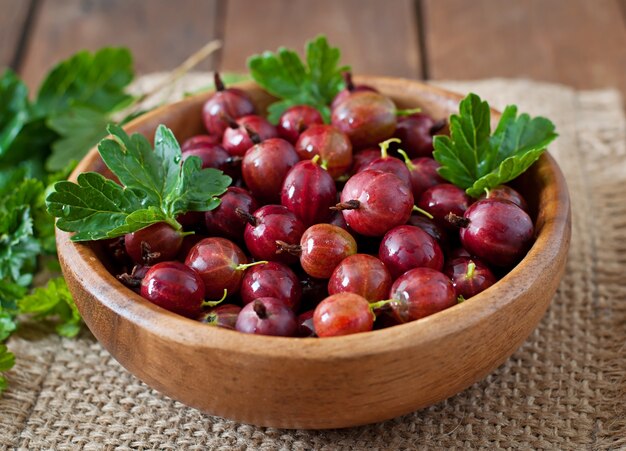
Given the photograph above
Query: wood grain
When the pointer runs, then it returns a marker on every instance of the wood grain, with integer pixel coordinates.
(329, 382)
(375, 36)
(577, 42)
(12, 22)
(160, 33)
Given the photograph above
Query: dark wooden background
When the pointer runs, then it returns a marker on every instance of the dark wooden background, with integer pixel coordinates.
(578, 42)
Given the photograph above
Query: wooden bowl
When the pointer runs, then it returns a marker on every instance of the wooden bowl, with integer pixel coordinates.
(332, 382)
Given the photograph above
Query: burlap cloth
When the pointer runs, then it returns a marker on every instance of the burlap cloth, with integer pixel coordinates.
(564, 389)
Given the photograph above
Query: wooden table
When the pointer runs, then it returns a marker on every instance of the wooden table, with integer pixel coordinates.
(578, 42)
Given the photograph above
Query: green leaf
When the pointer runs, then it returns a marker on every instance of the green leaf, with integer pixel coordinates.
(18, 247)
(284, 75)
(14, 107)
(92, 207)
(10, 292)
(135, 164)
(156, 188)
(7, 360)
(7, 324)
(79, 128)
(95, 80)
(197, 188)
(53, 302)
(474, 159)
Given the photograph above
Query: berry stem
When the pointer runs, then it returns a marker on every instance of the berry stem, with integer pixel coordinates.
(214, 303)
(408, 112)
(471, 267)
(315, 159)
(384, 146)
(424, 212)
(409, 164)
(293, 249)
(347, 76)
(457, 220)
(243, 267)
(254, 136)
(350, 205)
(378, 305)
(217, 80)
(247, 217)
(260, 310)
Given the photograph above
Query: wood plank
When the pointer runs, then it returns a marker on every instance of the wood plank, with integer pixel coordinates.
(12, 21)
(375, 36)
(576, 42)
(160, 33)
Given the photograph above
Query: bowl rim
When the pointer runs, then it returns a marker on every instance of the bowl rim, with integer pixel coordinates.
(89, 272)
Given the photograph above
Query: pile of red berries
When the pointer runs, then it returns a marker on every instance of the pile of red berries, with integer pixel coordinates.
(325, 231)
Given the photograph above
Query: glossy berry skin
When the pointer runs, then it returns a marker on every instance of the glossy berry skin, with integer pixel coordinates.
(364, 157)
(175, 287)
(499, 232)
(273, 223)
(506, 193)
(429, 226)
(333, 147)
(224, 221)
(267, 316)
(424, 175)
(416, 133)
(342, 314)
(393, 166)
(295, 120)
(265, 166)
(323, 247)
(406, 247)
(214, 156)
(384, 202)
(361, 274)
(223, 315)
(367, 117)
(349, 89)
(223, 105)
(469, 276)
(309, 191)
(421, 292)
(440, 200)
(305, 324)
(273, 280)
(156, 243)
(189, 241)
(237, 137)
(216, 261)
(199, 141)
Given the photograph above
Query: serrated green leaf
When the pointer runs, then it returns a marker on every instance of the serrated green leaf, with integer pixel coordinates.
(53, 302)
(96, 80)
(14, 107)
(92, 207)
(284, 75)
(197, 188)
(80, 129)
(158, 187)
(475, 160)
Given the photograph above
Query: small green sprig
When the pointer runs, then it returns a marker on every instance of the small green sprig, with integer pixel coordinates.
(284, 75)
(475, 159)
(157, 186)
